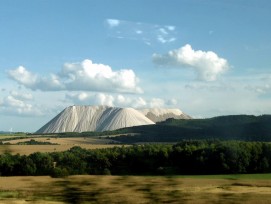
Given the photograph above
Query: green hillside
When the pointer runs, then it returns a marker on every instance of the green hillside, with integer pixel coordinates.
(233, 127)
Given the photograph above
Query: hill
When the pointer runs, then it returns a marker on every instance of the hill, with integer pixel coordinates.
(232, 127)
(94, 118)
(105, 118)
(161, 114)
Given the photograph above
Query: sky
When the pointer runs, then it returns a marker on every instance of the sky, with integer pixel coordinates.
(205, 57)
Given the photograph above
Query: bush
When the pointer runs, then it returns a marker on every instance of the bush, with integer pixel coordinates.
(59, 173)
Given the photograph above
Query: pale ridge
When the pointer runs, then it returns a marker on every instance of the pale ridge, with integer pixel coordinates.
(94, 118)
(161, 114)
(162, 111)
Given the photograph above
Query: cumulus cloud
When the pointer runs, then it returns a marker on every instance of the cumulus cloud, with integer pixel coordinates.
(117, 100)
(157, 103)
(148, 33)
(14, 105)
(21, 96)
(84, 98)
(104, 99)
(83, 76)
(139, 103)
(34, 81)
(208, 65)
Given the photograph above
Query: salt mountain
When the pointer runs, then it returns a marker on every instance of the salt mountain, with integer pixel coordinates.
(103, 118)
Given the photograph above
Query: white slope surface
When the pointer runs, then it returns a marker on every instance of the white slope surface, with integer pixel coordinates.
(161, 114)
(161, 111)
(94, 118)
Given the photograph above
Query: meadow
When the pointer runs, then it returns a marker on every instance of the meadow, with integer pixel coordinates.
(136, 189)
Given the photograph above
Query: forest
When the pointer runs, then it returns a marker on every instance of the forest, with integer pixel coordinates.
(231, 127)
(184, 158)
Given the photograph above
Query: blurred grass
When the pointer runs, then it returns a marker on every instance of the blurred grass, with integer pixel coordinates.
(135, 189)
(266, 176)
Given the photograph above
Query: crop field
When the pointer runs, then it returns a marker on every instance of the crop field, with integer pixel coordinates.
(58, 144)
(29, 149)
(134, 189)
(63, 141)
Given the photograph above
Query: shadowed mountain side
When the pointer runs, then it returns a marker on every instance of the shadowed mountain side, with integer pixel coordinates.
(235, 127)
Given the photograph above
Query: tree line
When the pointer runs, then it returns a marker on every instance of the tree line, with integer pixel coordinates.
(186, 157)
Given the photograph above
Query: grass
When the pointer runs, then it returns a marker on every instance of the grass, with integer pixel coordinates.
(11, 136)
(134, 189)
(231, 176)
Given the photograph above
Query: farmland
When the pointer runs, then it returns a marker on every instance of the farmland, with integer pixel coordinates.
(58, 144)
(118, 189)
(29, 149)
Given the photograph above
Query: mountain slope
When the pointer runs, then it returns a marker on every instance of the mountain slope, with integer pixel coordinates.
(232, 127)
(94, 118)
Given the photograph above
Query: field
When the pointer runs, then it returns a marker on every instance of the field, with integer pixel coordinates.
(63, 144)
(29, 149)
(249, 188)
(136, 189)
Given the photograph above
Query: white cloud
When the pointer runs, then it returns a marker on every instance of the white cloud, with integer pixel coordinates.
(117, 100)
(163, 40)
(163, 31)
(157, 103)
(171, 28)
(104, 99)
(261, 89)
(148, 33)
(35, 82)
(21, 96)
(112, 22)
(172, 102)
(23, 76)
(84, 98)
(83, 76)
(139, 103)
(208, 65)
(11, 105)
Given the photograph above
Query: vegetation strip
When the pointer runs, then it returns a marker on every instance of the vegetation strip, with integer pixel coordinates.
(187, 157)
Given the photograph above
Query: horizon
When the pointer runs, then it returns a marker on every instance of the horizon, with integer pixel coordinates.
(207, 58)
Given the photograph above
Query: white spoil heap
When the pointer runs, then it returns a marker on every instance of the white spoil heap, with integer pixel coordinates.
(94, 118)
(103, 118)
(161, 114)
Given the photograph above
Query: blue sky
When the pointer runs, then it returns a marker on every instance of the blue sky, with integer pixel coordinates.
(206, 57)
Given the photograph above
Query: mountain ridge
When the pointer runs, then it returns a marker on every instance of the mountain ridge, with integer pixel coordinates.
(105, 118)
(229, 127)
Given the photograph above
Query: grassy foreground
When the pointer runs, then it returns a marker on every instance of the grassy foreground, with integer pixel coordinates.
(136, 189)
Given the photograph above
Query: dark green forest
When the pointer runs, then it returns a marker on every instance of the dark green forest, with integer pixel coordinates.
(232, 127)
(186, 157)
